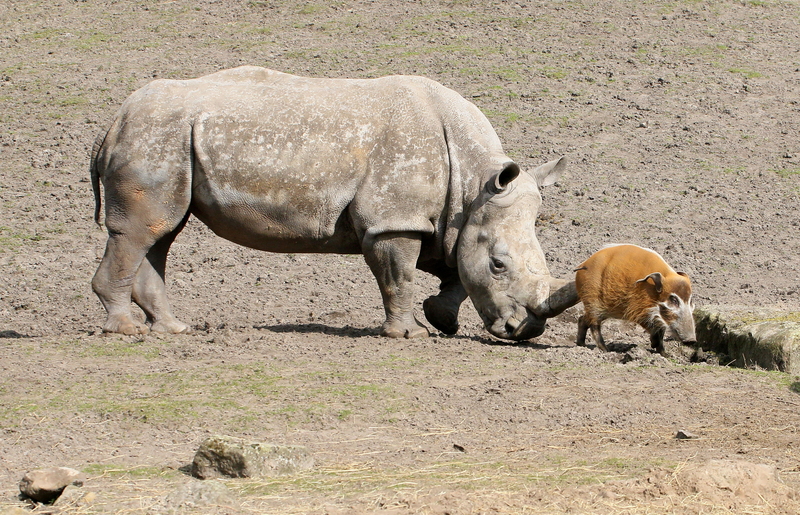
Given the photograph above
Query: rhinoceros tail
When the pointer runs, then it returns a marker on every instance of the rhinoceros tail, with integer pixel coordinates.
(98, 201)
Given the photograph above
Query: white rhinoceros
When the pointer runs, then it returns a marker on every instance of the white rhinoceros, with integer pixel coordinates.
(400, 169)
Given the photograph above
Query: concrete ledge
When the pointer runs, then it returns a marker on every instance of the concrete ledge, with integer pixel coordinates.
(750, 337)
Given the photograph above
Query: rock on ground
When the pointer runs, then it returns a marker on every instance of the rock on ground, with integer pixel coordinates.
(234, 457)
(45, 485)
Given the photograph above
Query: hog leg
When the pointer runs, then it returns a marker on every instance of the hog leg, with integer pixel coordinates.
(149, 291)
(589, 320)
(441, 310)
(583, 326)
(598, 336)
(657, 340)
(392, 259)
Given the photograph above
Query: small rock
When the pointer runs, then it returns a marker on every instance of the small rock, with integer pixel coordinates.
(685, 435)
(45, 485)
(234, 457)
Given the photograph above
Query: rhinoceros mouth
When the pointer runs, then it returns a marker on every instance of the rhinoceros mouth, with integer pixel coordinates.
(514, 329)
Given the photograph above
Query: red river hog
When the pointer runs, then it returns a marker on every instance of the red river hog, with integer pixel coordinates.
(632, 283)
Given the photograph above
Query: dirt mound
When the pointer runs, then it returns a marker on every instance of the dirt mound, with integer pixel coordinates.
(716, 485)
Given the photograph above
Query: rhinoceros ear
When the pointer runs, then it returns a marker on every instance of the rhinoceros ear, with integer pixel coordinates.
(501, 180)
(548, 173)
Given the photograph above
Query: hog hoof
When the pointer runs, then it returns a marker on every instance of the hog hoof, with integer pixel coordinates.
(440, 315)
(124, 325)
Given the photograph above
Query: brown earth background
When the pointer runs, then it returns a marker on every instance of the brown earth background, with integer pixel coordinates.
(680, 123)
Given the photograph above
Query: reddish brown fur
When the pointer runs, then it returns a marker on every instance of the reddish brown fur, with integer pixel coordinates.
(610, 285)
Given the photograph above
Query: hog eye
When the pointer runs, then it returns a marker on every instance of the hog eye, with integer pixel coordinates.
(497, 266)
(674, 301)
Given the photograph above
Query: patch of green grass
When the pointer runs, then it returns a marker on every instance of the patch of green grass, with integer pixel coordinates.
(92, 40)
(503, 117)
(786, 173)
(507, 73)
(47, 33)
(98, 470)
(73, 100)
(11, 238)
(109, 347)
(748, 73)
(752, 318)
(551, 72)
(395, 362)
(311, 9)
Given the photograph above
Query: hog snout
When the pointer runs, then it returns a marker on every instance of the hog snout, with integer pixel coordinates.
(682, 327)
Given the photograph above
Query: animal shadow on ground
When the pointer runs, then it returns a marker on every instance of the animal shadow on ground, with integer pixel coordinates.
(12, 334)
(527, 344)
(346, 331)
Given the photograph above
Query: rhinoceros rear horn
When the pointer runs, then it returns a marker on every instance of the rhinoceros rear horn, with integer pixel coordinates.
(501, 180)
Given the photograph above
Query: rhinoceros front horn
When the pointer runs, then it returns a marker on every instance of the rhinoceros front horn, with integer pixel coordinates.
(552, 296)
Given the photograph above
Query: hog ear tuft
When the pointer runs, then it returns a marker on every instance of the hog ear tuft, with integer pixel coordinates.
(656, 277)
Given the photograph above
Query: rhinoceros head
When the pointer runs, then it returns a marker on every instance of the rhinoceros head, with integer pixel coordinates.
(500, 261)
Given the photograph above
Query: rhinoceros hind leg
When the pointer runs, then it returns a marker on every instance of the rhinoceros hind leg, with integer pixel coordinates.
(113, 282)
(392, 259)
(149, 290)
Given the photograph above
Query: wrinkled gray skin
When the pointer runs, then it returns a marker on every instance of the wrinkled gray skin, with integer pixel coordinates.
(399, 169)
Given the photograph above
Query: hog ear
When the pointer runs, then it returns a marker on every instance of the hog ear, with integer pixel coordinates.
(656, 277)
(548, 173)
(500, 181)
(683, 274)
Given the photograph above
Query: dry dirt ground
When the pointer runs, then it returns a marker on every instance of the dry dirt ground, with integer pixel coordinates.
(680, 122)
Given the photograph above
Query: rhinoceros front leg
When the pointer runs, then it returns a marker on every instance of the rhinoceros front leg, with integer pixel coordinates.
(392, 259)
(441, 310)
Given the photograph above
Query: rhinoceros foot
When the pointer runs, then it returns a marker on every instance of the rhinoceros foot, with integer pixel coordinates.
(441, 314)
(396, 329)
(173, 326)
(124, 325)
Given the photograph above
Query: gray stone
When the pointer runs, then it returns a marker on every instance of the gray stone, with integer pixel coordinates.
(682, 434)
(233, 457)
(749, 336)
(45, 485)
(200, 493)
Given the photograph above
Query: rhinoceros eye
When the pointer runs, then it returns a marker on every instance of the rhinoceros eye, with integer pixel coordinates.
(497, 265)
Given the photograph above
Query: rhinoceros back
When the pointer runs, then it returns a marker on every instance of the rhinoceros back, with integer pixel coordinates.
(286, 163)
